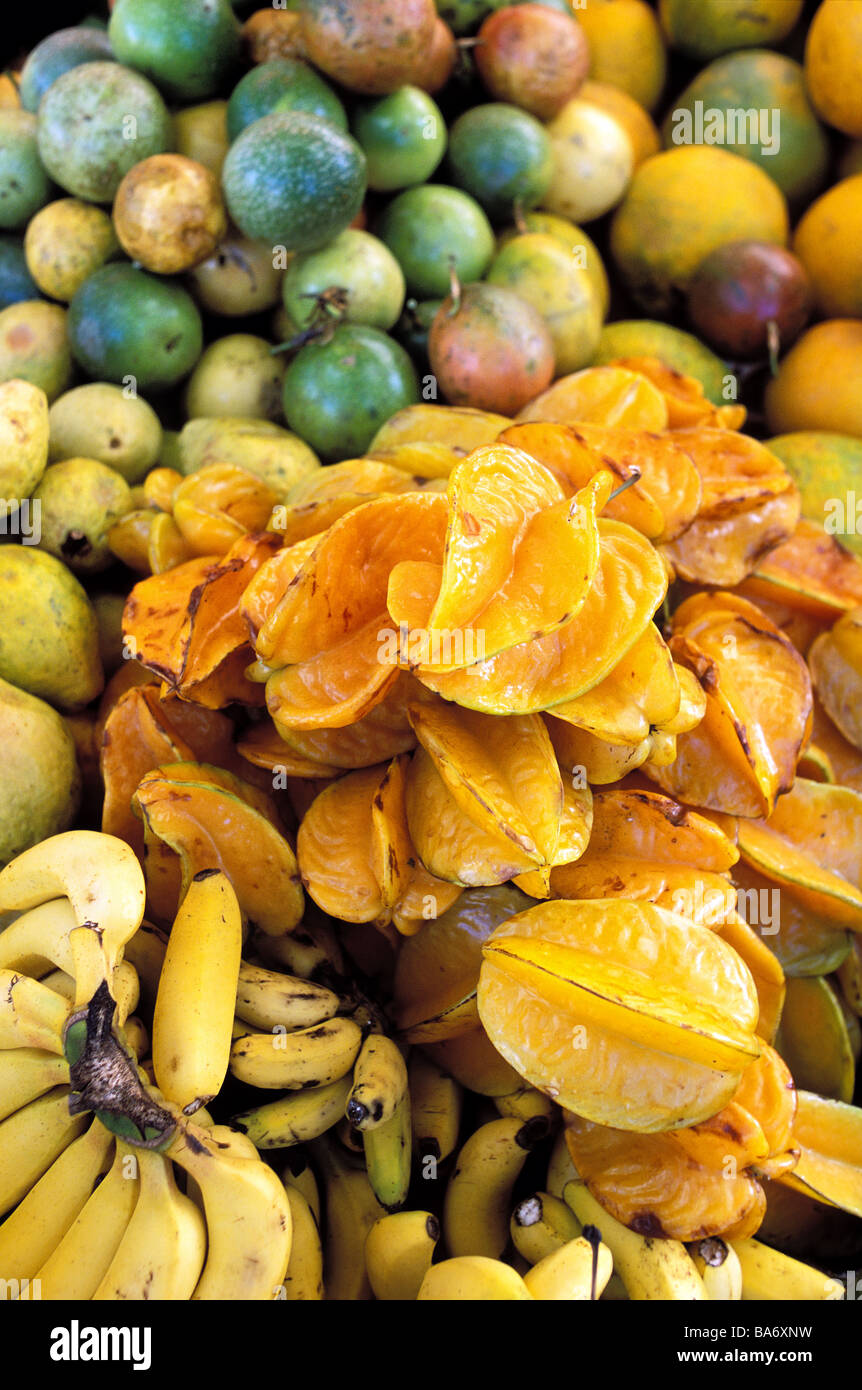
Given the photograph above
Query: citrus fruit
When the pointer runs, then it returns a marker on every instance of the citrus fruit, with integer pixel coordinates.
(819, 382)
(581, 248)
(238, 278)
(65, 242)
(490, 349)
(357, 264)
(294, 180)
(502, 156)
(833, 54)
(403, 136)
(95, 122)
(827, 241)
(187, 49)
(372, 48)
(282, 84)
(635, 120)
(744, 292)
(543, 271)
(431, 228)
(200, 133)
(593, 161)
(34, 345)
(681, 205)
(337, 394)
(678, 350)
(626, 48)
(56, 54)
(169, 214)
(124, 323)
(712, 27)
(532, 57)
(778, 129)
(16, 282)
(24, 183)
(826, 467)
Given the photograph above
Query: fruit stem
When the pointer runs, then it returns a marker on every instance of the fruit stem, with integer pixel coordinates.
(773, 345)
(454, 289)
(633, 478)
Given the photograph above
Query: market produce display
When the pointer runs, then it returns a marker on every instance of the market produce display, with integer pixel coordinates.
(431, 652)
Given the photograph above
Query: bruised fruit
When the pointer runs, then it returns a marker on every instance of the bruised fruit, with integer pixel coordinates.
(533, 57)
(748, 298)
(80, 500)
(169, 214)
(490, 349)
(65, 242)
(373, 48)
(102, 421)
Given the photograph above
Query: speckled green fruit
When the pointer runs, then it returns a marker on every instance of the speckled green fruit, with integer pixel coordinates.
(105, 422)
(403, 136)
(24, 183)
(41, 785)
(133, 328)
(49, 637)
(355, 263)
(237, 375)
(56, 54)
(502, 156)
(95, 122)
(281, 84)
(34, 345)
(80, 500)
(431, 229)
(188, 49)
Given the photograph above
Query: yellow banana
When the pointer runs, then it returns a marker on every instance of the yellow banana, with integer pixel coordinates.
(303, 1282)
(31, 1015)
(351, 1210)
(542, 1224)
(61, 983)
(398, 1253)
(479, 1192)
(437, 1100)
(101, 877)
(651, 1269)
(146, 952)
(77, 1265)
(768, 1275)
(718, 1265)
(295, 1118)
(136, 1036)
(524, 1104)
(379, 1082)
(298, 1173)
(247, 1215)
(162, 1251)
(38, 940)
(25, 1074)
(197, 992)
(270, 1000)
(314, 1056)
(351, 1139)
(388, 1151)
(31, 1139)
(37, 1225)
(561, 1169)
(308, 951)
(473, 1278)
(576, 1272)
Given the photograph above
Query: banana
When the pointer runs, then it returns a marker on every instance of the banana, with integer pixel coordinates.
(247, 1215)
(767, 1274)
(270, 1000)
(577, 1272)
(295, 1118)
(38, 940)
(351, 1210)
(308, 951)
(242, 1030)
(101, 877)
(25, 1074)
(39, 1222)
(314, 1056)
(126, 989)
(468, 1278)
(398, 1253)
(76, 1267)
(524, 1104)
(303, 1282)
(31, 1139)
(388, 1151)
(31, 1015)
(136, 1036)
(298, 1173)
(479, 1193)
(650, 1269)
(718, 1265)
(351, 1139)
(146, 951)
(162, 1251)
(542, 1224)
(437, 1101)
(379, 1082)
(561, 1169)
(197, 992)
(61, 983)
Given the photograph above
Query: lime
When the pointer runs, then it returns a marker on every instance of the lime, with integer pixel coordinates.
(56, 54)
(293, 180)
(338, 394)
(403, 136)
(282, 84)
(188, 50)
(24, 184)
(95, 122)
(431, 228)
(124, 323)
(359, 266)
(501, 155)
(16, 282)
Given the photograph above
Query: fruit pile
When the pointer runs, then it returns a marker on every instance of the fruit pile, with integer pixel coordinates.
(454, 678)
